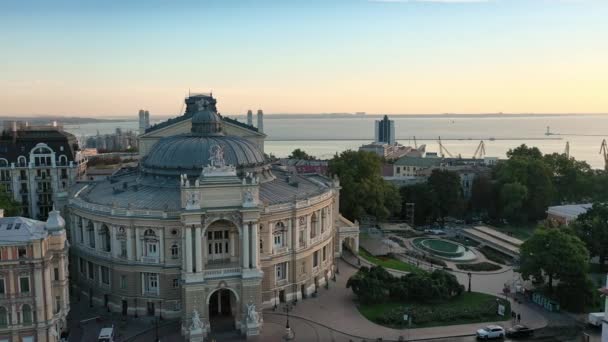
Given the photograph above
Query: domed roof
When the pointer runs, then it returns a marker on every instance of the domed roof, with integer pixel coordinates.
(206, 121)
(188, 153)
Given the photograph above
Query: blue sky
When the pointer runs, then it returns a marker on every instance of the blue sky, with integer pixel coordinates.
(113, 57)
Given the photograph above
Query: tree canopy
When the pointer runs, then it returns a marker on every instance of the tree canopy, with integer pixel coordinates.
(364, 192)
(300, 154)
(553, 254)
(10, 206)
(592, 228)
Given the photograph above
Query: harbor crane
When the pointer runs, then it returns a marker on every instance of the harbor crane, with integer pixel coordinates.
(415, 143)
(604, 153)
(480, 152)
(567, 150)
(442, 150)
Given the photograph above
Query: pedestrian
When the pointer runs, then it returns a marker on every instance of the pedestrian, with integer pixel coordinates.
(518, 318)
(513, 315)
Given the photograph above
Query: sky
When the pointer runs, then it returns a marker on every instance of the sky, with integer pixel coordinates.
(111, 57)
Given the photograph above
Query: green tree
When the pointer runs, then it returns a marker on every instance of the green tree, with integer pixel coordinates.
(592, 228)
(423, 199)
(445, 186)
(364, 192)
(300, 154)
(553, 254)
(535, 175)
(512, 198)
(370, 284)
(484, 196)
(524, 151)
(10, 206)
(572, 179)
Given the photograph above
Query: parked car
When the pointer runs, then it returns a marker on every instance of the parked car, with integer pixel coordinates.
(595, 318)
(491, 331)
(519, 331)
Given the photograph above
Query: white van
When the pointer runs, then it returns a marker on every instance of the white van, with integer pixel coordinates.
(106, 334)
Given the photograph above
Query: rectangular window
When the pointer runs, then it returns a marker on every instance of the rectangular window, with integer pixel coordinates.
(24, 284)
(91, 270)
(57, 303)
(324, 253)
(2, 289)
(175, 283)
(56, 273)
(151, 282)
(105, 275)
(123, 282)
(83, 266)
(303, 267)
(301, 238)
(281, 271)
(123, 249)
(22, 252)
(315, 259)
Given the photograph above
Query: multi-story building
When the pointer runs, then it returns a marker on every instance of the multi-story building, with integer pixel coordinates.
(205, 230)
(34, 299)
(38, 165)
(385, 131)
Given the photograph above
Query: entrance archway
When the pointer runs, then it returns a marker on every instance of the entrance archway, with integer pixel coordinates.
(222, 310)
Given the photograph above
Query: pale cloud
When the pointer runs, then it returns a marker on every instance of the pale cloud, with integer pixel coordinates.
(436, 1)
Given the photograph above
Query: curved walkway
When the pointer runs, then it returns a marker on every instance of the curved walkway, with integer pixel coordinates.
(336, 308)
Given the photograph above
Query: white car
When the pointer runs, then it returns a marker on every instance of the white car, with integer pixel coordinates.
(491, 331)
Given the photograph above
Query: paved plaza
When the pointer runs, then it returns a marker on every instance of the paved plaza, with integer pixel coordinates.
(331, 316)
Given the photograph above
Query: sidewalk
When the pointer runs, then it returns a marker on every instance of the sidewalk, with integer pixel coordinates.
(335, 308)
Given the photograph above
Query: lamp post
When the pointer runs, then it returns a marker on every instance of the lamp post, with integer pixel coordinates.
(288, 332)
(469, 274)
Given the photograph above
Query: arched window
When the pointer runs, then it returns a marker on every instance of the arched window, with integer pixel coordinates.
(80, 230)
(26, 314)
(174, 251)
(3, 162)
(278, 235)
(3, 317)
(151, 244)
(21, 161)
(63, 160)
(314, 221)
(106, 240)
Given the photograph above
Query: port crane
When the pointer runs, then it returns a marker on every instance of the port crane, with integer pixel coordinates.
(415, 143)
(480, 152)
(442, 150)
(604, 153)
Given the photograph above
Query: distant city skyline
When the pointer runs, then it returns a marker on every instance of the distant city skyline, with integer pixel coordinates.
(102, 58)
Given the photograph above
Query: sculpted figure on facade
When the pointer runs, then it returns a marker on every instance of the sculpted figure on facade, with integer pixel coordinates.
(217, 156)
(252, 315)
(196, 321)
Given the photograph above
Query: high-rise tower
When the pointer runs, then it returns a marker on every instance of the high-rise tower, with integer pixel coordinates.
(385, 131)
(250, 117)
(260, 121)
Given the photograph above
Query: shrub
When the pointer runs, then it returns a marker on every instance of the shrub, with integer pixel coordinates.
(496, 256)
(427, 258)
(479, 267)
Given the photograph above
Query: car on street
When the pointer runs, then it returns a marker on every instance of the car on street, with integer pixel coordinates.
(519, 331)
(490, 332)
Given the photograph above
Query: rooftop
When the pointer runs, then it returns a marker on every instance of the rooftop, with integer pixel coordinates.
(417, 161)
(21, 230)
(569, 210)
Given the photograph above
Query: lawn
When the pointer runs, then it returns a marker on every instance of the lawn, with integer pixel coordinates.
(523, 231)
(388, 262)
(467, 308)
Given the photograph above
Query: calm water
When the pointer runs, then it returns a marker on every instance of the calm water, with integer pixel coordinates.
(323, 137)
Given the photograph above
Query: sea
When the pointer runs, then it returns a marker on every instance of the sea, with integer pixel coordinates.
(324, 136)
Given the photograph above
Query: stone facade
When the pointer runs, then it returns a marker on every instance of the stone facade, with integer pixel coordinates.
(34, 299)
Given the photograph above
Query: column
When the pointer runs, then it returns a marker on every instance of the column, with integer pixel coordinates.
(137, 245)
(232, 243)
(129, 243)
(114, 246)
(39, 297)
(205, 247)
(198, 249)
(245, 243)
(270, 244)
(48, 293)
(96, 234)
(255, 245)
(307, 230)
(162, 245)
(288, 237)
(188, 249)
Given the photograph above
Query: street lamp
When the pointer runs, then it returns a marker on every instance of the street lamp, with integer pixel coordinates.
(469, 274)
(288, 333)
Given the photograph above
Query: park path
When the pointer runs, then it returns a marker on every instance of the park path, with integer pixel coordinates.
(335, 308)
